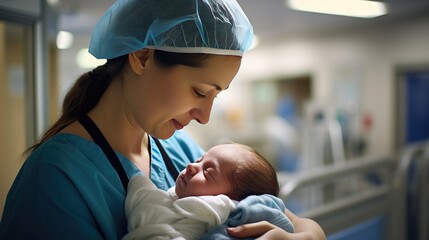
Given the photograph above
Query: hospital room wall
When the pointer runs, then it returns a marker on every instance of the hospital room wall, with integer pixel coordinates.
(12, 114)
(371, 55)
(17, 102)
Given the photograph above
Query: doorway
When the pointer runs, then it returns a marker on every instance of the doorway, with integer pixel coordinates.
(23, 84)
(413, 105)
(15, 97)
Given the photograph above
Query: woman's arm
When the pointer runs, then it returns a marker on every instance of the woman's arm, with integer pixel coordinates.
(305, 229)
(308, 228)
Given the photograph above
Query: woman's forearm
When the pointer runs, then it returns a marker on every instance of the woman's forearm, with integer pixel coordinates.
(306, 228)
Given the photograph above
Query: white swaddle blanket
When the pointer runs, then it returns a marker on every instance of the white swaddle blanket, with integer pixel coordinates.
(155, 214)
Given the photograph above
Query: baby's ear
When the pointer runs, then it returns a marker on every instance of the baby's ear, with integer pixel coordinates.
(138, 59)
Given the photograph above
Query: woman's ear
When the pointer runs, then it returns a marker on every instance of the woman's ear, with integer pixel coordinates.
(139, 59)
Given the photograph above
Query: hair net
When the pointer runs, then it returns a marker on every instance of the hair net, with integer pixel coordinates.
(187, 26)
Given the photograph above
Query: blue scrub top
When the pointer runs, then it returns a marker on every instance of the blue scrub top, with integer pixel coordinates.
(67, 189)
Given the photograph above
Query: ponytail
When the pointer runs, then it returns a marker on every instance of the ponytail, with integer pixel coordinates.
(83, 96)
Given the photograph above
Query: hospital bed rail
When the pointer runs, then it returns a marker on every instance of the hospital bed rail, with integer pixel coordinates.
(348, 211)
(412, 184)
(384, 204)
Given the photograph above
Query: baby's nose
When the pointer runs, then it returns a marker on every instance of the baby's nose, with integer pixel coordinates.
(191, 169)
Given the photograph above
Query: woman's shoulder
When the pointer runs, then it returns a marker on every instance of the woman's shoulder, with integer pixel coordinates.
(70, 157)
(64, 148)
(65, 141)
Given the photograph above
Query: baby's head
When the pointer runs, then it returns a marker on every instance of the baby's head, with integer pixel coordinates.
(253, 175)
(232, 169)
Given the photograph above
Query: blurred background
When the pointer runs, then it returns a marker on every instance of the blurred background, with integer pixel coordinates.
(316, 90)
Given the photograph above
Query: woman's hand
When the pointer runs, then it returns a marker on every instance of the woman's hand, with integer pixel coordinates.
(262, 230)
(305, 229)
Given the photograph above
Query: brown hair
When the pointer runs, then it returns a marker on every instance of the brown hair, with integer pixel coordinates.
(253, 176)
(90, 86)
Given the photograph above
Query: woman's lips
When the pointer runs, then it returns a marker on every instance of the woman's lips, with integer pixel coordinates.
(177, 125)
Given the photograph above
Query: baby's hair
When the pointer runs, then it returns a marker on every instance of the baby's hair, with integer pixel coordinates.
(253, 175)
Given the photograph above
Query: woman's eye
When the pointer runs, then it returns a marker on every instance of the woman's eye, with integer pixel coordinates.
(199, 93)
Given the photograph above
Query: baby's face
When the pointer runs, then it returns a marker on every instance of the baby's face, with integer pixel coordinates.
(209, 175)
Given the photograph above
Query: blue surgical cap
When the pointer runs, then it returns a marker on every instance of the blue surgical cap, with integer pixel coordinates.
(183, 26)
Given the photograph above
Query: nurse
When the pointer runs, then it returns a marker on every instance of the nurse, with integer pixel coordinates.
(167, 60)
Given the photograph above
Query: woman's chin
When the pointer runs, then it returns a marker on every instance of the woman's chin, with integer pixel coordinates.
(163, 134)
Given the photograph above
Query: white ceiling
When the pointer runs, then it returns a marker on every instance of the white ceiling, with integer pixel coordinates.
(271, 19)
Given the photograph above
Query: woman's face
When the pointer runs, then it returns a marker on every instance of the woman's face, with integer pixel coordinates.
(163, 100)
(210, 175)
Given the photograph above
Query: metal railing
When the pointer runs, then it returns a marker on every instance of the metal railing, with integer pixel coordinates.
(412, 189)
(352, 209)
(386, 198)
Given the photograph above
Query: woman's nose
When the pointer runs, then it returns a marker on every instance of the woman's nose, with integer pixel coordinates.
(202, 113)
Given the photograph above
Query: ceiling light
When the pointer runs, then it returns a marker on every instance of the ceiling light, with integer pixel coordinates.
(352, 8)
(52, 2)
(85, 60)
(64, 39)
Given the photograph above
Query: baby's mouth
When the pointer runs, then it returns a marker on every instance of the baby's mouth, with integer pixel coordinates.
(182, 177)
